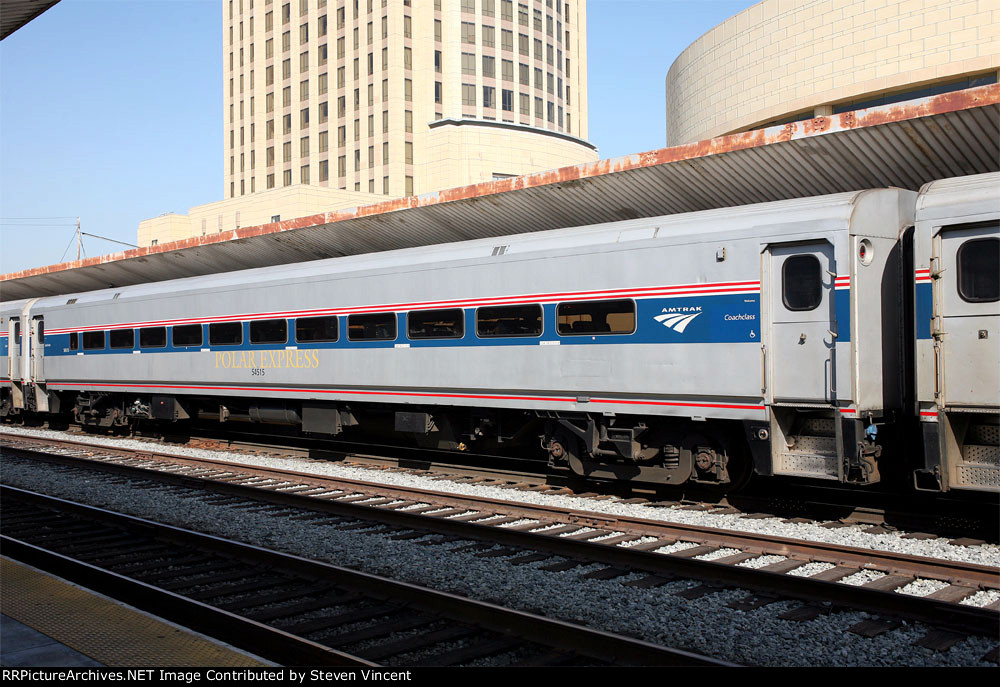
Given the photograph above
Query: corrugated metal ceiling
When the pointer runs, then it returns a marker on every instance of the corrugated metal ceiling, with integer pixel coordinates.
(904, 144)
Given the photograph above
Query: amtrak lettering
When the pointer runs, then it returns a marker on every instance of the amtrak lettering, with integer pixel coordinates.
(237, 360)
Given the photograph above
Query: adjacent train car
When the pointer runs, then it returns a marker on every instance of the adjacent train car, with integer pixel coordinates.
(693, 347)
(957, 301)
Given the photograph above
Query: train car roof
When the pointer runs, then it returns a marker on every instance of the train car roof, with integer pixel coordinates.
(975, 194)
(901, 145)
(835, 208)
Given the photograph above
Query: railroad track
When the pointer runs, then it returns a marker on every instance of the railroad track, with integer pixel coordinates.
(623, 545)
(292, 610)
(968, 519)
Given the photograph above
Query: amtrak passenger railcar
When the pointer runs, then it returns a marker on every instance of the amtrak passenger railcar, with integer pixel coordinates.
(957, 301)
(690, 347)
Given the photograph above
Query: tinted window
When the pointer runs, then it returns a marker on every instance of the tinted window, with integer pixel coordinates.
(802, 282)
(153, 337)
(435, 324)
(187, 335)
(374, 327)
(93, 340)
(268, 331)
(509, 320)
(41, 332)
(309, 329)
(225, 333)
(596, 317)
(74, 341)
(17, 332)
(979, 270)
(122, 338)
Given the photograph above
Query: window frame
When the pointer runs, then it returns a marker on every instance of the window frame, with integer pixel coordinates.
(541, 322)
(959, 269)
(149, 329)
(104, 340)
(784, 282)
(635, 317)
(211, 343)
(201, 336)
(259, 323)
(395, 326)
(335, 318)
(460, 320)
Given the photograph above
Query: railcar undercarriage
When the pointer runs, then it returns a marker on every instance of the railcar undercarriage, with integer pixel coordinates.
(648, 450)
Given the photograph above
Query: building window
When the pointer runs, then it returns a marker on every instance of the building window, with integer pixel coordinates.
(489, 96)
(468, 32)
(468, 94)
(508, 100)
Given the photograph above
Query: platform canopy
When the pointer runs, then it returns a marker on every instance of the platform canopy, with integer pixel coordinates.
(16, 13)
(904, 144)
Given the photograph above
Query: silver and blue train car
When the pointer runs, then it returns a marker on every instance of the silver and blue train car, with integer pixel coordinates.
(957, 303)
(693, 347)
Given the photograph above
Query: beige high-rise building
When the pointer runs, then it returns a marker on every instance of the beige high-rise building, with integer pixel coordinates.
(389, 98)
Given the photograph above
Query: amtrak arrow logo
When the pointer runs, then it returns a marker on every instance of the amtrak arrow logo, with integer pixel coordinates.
(676, 321)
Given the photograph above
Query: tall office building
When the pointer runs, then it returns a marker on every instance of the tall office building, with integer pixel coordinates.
(340, 103)
(399, 97)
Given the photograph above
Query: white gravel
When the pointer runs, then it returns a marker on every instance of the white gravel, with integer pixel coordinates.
(921, 587)
(983, 598)
(715, 555)
(810, 569)
(676, 546)
(761, 561)
(862, 577)
(987, 554)
(705, 625)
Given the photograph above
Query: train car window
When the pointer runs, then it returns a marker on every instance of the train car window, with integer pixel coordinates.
(225, 333)
(187, 335)
(41, 332)
(374, 327)
(153, 337)
(269, 332)
(122, 338)
(314, 329)
(802, 282)
(74, 341)
(435, 324)
(509, 320)
(596, 317)
(17, 331)
(93, 341)
(978, 271)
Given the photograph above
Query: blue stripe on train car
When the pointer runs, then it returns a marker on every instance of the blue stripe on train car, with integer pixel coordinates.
(698, 319)
(925, 309)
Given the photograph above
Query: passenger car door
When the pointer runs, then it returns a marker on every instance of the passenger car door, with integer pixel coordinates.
(802, 323)
(965, 265)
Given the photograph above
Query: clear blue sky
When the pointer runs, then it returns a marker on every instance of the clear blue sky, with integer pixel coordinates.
(111, 110)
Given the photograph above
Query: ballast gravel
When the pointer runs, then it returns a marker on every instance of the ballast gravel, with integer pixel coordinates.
(705, 625)
(986, 554)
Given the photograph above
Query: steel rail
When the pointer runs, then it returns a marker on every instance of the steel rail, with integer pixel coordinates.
(536, 629)
(895, 563)
(935, 612)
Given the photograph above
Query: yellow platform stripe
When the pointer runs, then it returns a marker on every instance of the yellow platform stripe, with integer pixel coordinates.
(104, 630)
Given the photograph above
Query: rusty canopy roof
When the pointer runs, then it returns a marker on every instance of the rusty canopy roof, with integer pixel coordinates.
(905, 144)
